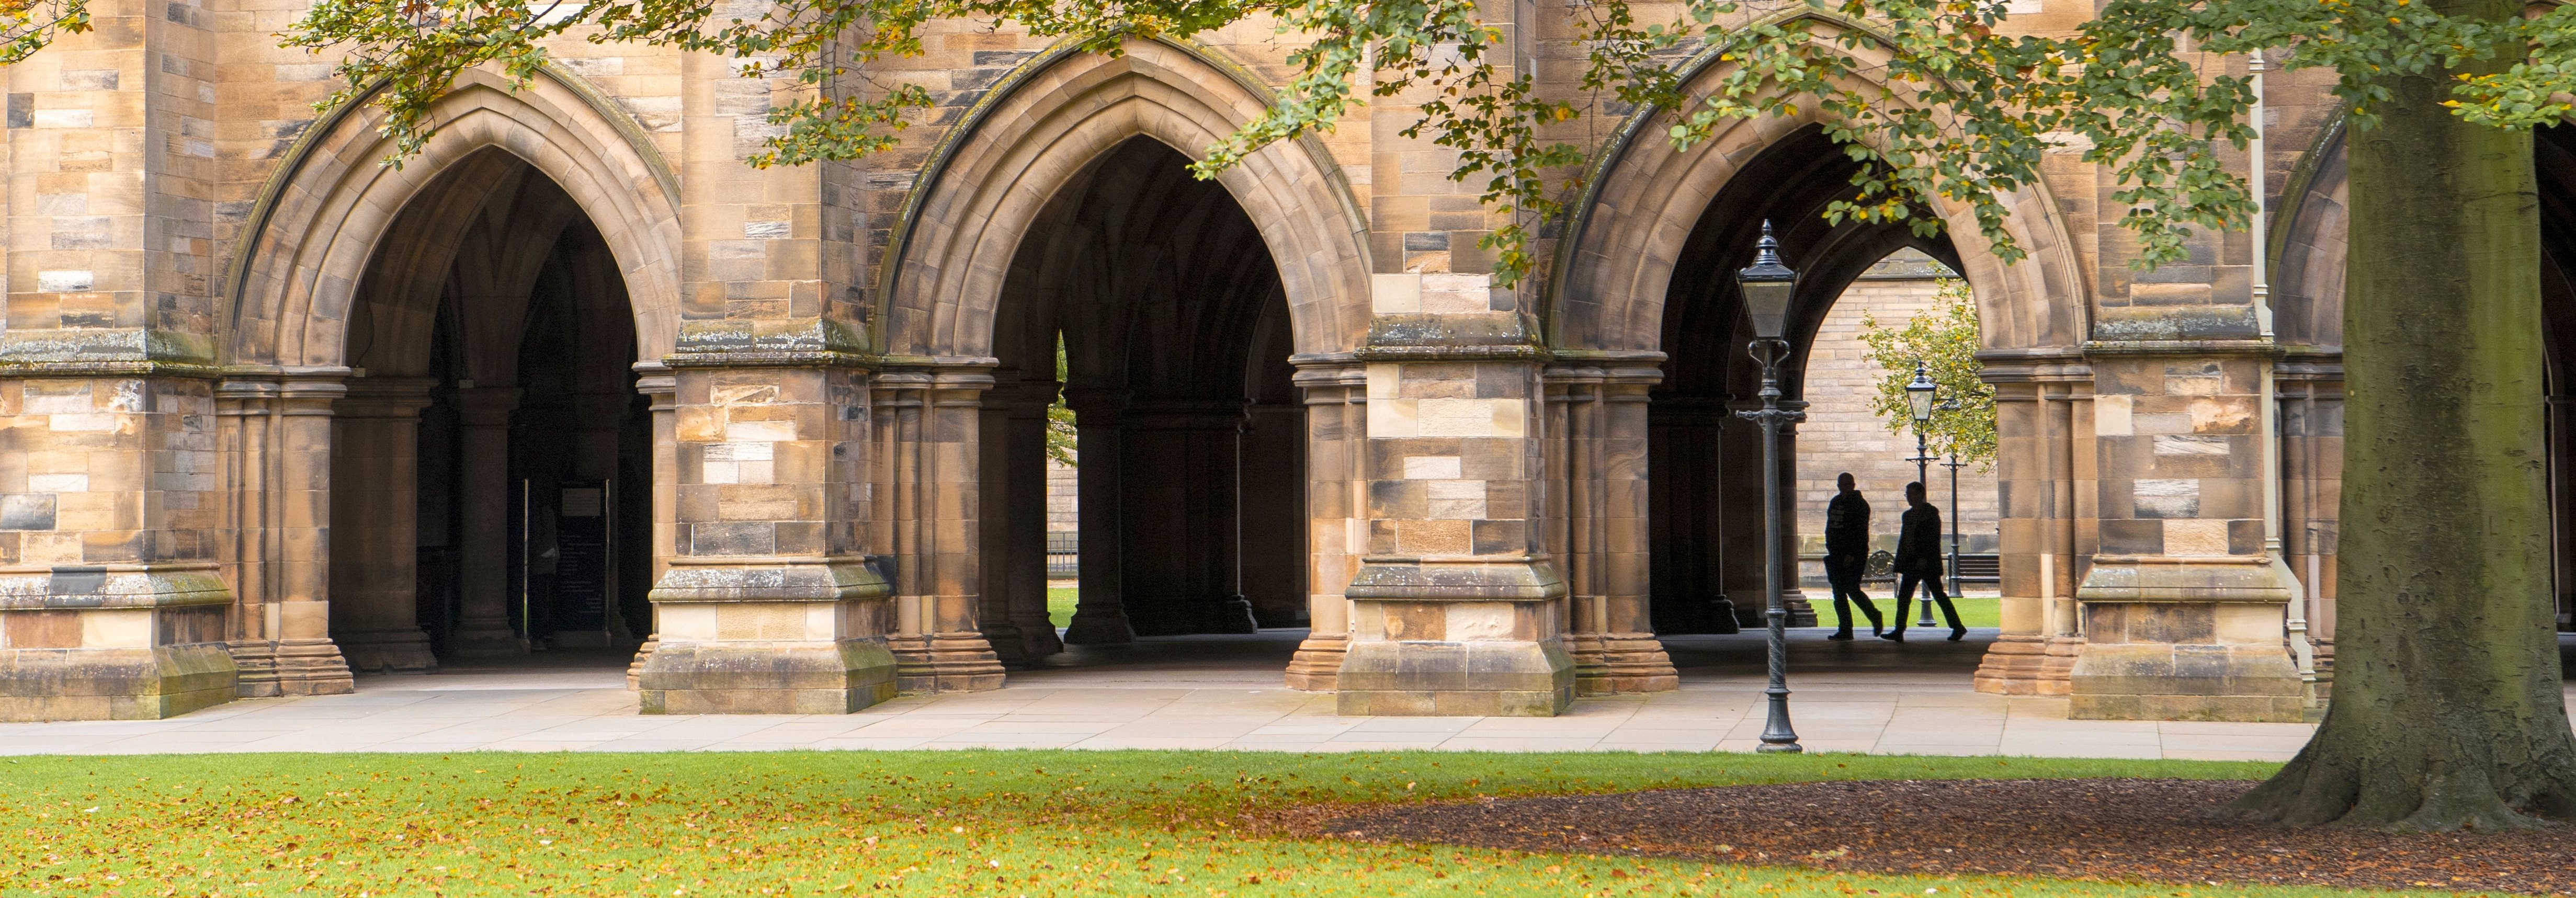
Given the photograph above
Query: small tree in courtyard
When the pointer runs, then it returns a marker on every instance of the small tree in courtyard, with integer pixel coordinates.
(1944, 338)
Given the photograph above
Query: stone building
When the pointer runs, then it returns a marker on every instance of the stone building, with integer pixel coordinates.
(272, 412)
(1842, 432)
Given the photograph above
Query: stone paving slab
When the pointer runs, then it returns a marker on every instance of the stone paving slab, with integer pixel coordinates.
(1194, 692)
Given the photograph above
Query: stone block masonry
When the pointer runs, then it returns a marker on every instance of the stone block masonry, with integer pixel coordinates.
(200, 270)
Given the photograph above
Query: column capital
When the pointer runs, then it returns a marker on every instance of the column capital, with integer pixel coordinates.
(487, 406)
(384, 397)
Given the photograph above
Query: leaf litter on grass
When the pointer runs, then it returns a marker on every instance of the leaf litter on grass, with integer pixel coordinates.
(1051, 823)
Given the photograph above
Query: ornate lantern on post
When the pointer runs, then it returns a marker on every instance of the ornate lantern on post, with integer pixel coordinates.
(1768, 287)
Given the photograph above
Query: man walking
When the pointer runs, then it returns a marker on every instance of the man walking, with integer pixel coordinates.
(1918, 560)
(1847, 555)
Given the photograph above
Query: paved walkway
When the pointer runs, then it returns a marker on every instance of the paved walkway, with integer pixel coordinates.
(1218, 692)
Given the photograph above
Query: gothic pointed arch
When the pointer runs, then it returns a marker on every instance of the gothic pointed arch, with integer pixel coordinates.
(1060, 113)
(1630, 231)
(319, 223)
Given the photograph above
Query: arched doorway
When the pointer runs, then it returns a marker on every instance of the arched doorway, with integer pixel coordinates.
(2308, 302)
(1171, 322)
(1707, 507)
(492, 458)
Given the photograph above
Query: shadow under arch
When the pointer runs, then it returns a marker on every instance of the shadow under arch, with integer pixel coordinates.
(317, 225)
(1047, 123)
(1628, 234)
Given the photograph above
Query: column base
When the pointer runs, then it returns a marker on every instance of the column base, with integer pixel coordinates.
(768, 636)
(387, 651)
(113, 684)
(2148, 681)
(1010, 648)
(2029, 665)
(485, 638)
(1802, 613)
(635, 668)
(1317, 666)
(1233, 614)
(90, 644)
(291, 667)
(1090, 627)
(2186, 639)
(947, 662)
(1622, 663)
(1475, 636)
(760, 678)
(1455, 679)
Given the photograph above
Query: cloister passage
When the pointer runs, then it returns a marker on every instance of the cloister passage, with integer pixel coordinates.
(2554, 161)
(1705, 508)
(491, 464)
(1174, 333)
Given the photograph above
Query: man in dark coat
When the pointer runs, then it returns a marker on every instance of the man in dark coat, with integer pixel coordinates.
(1918, 560)
(1847, 554)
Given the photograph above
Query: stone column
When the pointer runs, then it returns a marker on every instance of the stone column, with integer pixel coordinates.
(1793, 593)
(1336, 392)
(927, 429)
(1596, 464)
(111, 517)
(772, 605)
(2311, 396)
(278, 444)
(2182, 609)
(1100, 612)
(2045, 483)
(1688, 529)
(658, 382)
(487, 521)
(375, 474)
(1180, 522)
(1456, 609)
(1272, 538)
(1013, 537)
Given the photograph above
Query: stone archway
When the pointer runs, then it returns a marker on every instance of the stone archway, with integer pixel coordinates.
(1644, 223)
(2308, 283)
(333, 221)
(940, 324)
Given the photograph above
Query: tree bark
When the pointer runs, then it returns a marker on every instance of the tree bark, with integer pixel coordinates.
(2448, 711)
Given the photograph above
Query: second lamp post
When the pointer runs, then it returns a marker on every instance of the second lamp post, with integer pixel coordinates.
(1768, 286)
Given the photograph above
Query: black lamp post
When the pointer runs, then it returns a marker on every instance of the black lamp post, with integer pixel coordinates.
(1954, 464)
(1768, 286)
(1921, 397)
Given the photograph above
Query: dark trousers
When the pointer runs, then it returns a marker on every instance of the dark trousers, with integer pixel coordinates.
(1844, 573)
(1932, 592)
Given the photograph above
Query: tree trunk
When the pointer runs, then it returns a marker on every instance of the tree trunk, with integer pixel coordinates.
(2447, 710)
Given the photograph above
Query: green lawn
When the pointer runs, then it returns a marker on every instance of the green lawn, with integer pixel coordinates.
(1060, 605)
(1034, 823)
(1986, 612)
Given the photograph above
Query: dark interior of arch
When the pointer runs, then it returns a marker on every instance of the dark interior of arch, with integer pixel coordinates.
(1705, 508)
(1175, 340)
(492, 467)
(2554, 162)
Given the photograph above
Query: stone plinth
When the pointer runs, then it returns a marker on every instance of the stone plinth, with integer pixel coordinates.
(1475, 638)
(769, 638)
(2196, 639)
(87, 643)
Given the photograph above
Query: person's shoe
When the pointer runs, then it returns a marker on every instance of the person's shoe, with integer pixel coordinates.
(1898, 636)
(1958, 633)
(1841, 634)
(1877, 630)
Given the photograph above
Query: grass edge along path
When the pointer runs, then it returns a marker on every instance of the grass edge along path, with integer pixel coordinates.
(1038, 822)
